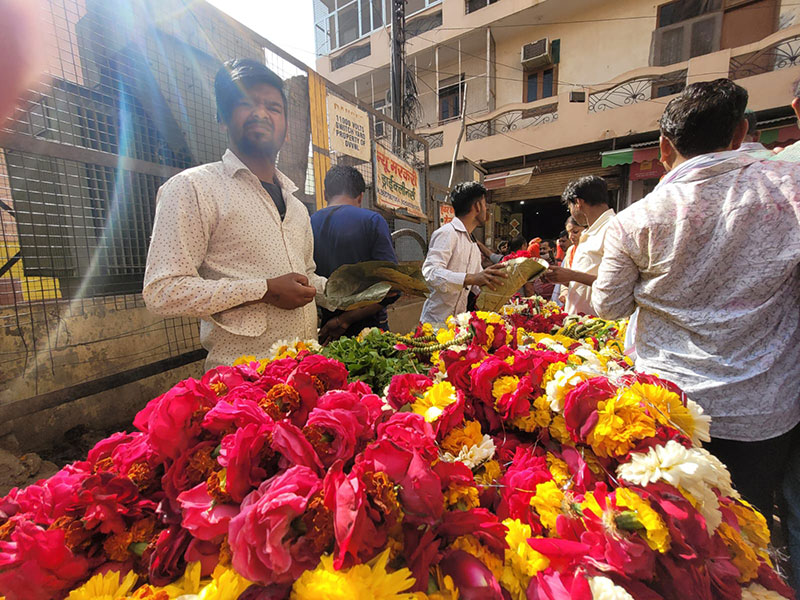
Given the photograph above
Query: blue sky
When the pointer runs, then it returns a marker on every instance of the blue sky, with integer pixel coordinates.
(287, 23)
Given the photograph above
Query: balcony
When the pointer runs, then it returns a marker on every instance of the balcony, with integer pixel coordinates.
(628, 105)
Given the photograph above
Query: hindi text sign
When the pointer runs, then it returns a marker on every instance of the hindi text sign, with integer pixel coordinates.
(349, 129)
(397, 183)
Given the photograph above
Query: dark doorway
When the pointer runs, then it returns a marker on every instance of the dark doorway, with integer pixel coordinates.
(542, 217)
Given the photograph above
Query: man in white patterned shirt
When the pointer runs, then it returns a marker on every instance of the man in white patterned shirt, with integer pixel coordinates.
(715, 317)
(452, 267)
(231, 244)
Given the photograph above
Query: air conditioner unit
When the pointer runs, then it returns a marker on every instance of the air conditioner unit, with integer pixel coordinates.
(536, 54)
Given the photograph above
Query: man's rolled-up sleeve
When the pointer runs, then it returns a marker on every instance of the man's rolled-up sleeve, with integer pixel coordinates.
(612, 291)
(435, 270)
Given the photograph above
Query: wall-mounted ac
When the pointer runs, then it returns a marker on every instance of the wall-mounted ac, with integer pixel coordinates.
(536, 54)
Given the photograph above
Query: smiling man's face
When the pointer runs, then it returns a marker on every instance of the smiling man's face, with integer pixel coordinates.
(257, 126)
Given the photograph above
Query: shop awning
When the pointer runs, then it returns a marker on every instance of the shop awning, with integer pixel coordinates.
(778, 135)
(495, 181)
(628, 156)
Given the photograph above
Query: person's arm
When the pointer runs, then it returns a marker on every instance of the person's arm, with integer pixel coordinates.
(172, 284)
(561, 275)
(434, 269)
(316, 281)
(612, 292)
(492, 256)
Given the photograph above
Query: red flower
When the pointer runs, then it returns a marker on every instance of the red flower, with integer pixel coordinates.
(167, 561)
(266, 548)
(478, 522)
(48, 499)
(37, 565)
(105, 500)
(330, 372)
(410, 431)
(189, 469)
(238, 413)
(245, 455)
(222, 379)
(278, 369)
(294, 448)
(406, 389)
(202, 516)
(553, 585)
(365, 407)
(172, 421)
(473, 579)
(580, 406)
(484, 376)
(519, 482)
(334, 434)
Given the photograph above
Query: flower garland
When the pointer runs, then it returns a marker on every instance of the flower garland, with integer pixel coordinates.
(521, 464)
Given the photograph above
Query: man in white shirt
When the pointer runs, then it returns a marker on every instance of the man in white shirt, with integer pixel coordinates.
(720, 321)
(231, 244)
(587, 200)
(453, 265)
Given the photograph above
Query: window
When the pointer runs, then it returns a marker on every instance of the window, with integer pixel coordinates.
(540, 84)
(380, 127)
(473, 5)
(686, 28)
(450, 92)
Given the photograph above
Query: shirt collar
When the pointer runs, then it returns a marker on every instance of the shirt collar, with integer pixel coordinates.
(233, 165)
(601, 221)
(458, 225)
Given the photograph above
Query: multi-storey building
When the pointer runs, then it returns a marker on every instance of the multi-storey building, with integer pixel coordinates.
(555, 89)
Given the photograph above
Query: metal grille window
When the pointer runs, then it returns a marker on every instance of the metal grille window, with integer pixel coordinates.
(341, 22)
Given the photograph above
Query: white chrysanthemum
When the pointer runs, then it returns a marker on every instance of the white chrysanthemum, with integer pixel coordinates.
(758, 592)
(474, 456)
(691, 469)
(605, 589)
(564, 380)
(702, 423)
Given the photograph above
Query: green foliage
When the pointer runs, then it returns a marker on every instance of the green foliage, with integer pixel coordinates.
(373, 359)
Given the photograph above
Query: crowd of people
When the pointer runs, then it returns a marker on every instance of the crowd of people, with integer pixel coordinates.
(707, 266)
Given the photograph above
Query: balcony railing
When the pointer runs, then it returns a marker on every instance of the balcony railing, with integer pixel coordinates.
(637, 90)
(779, 55)
(512, 120)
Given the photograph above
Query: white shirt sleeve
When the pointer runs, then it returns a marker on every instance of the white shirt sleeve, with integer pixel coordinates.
(612, 291)
(181, 231)
(434, 269)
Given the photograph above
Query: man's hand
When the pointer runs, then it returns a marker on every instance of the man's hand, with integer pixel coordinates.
(564, 276)
(491, 277)
(333, 329)
(289, 291)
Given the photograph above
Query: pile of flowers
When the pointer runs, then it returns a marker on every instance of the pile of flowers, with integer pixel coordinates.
(520, 465)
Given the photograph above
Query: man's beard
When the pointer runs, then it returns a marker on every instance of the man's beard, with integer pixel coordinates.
(258, 149)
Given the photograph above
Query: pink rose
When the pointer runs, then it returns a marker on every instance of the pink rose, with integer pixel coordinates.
(245, 455)
(35, 564)
(266, 549)
(242, 411)
(406, 389)
(334, 434)
(202, 516)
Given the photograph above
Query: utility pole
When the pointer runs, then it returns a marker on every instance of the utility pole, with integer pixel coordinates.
(398, 64)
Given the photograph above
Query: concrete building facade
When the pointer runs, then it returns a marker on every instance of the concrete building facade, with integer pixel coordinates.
(556, 89)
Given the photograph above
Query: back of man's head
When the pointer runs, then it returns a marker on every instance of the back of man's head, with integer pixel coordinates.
(704, 117)
(517, 244)
(464, 195)
(591, 189)
(237, 75)
(344, 181)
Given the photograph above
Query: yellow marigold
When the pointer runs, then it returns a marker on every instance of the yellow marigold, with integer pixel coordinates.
(427, 329)
(445, 587)
(521, 561)
(226, 584)
(435, 399)
(464, 497)
(540, 416)
(369, 580)
(665, 406)
(753, 527)
(558, 429)
(105, 586)
(558, 469)
(551, 372)
(591, 505)
(444, 336)
(548, 503)
(489, 317)
(249, 358)
(489, 473)
(621, 424)
(504, 385)
(743, 556)
(656, 533)
(463, 437)
(470, 544)
(189, 583)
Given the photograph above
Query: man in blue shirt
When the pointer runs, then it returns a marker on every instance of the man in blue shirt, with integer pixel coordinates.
(346, 234)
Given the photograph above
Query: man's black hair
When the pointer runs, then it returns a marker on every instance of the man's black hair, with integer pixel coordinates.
(752, 121)
(237, 75)
(518, 243)
(344, 180)
(591, 189)
(704, 117)
(465, 195)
